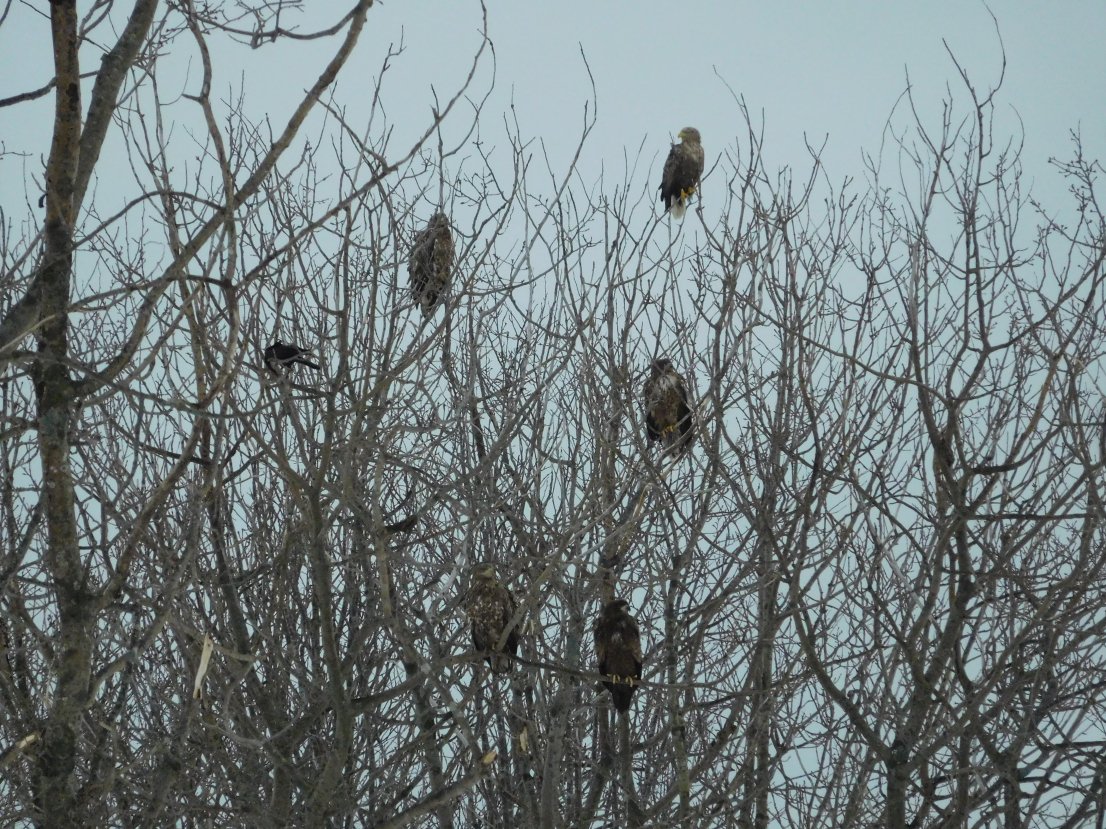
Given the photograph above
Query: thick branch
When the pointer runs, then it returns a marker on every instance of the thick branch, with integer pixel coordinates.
(105, 92)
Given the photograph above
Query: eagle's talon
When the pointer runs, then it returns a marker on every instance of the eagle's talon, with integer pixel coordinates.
(619, 679)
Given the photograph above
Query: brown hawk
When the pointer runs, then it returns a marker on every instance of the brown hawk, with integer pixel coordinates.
(431, 264)
(682, 170)
(491, 607)
(618, 652)
(668, 414)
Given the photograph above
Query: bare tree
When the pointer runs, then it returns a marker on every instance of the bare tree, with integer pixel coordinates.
(869, 594)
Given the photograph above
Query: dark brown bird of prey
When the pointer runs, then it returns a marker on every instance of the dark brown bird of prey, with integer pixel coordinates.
(279, 355)
(618, 652)
(431, 264)
(491, 607)
(668, 415)
(682, 170)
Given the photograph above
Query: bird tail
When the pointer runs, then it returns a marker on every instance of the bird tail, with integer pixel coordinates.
(680, 200)
(674, 444)
(621, 695)
(678, 441)
(308, 363)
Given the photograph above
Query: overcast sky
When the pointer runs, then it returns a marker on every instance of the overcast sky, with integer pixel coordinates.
(829, 70)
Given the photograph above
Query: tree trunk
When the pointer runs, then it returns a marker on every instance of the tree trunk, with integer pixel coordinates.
(54, 783)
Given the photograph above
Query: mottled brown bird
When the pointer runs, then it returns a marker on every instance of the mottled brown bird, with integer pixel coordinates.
(431, 264)
(668, 414)
(279, 355)
(682, 170)
(490, 607)
(618, 652)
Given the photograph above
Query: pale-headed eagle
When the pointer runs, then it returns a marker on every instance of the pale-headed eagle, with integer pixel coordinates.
(431, 264)
(279, 355)
(618, 652)
(682, 170)
(491, 607)
(668, 414)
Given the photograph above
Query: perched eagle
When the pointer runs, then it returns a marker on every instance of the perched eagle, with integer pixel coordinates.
(431, 263)
(618, 652)
(682, 170)
(491, 607)
(279, 355)
(668, 415)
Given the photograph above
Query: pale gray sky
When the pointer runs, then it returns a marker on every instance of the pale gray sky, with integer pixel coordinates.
(832, 69)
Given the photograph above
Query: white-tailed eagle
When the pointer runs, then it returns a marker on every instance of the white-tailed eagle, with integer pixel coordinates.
(490, 607)
(668, 413)
(431, 264)
(618, 652)
(682, 170)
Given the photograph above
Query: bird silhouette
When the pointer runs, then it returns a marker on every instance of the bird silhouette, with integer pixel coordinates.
(281, 354)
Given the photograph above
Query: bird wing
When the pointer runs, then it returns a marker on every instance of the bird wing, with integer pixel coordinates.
(476, 602)
(633, 645)
(601, 643)
(653, 424)
(508, 609)
(683, 409)
(421, 251)
(672, 165)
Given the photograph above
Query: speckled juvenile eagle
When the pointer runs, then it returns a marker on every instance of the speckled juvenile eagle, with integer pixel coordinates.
(279, 355)
(682, 170)
(491, 607)
(668, 414)
(431, 264)
(618, 652)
